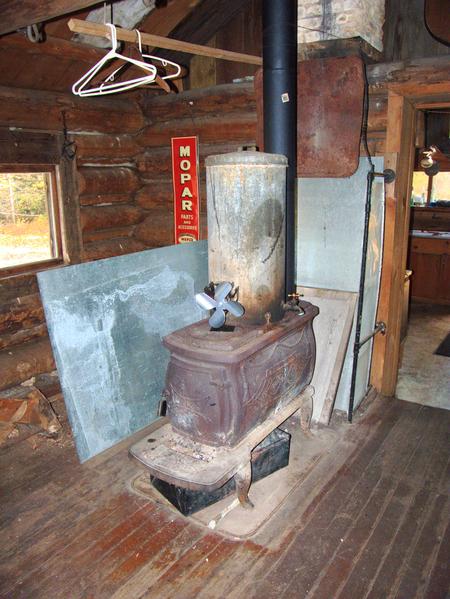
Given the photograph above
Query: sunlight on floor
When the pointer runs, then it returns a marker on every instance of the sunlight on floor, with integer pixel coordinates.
(424, 377)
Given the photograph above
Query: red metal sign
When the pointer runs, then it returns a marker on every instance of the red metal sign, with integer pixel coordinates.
(185, 189)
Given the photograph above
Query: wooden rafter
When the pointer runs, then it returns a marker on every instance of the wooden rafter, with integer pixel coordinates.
(20, 13)
(205, 20)
(163, 20)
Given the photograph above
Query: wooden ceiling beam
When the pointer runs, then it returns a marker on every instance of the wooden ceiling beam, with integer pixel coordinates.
(53, 46)
(21, 13)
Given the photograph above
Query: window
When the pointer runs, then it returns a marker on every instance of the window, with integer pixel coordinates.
(29, 216)
(39, 204)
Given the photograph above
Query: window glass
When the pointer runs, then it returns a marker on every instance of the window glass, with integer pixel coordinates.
(28, 223)
(440, 193)
(419, 189)
(434, 193)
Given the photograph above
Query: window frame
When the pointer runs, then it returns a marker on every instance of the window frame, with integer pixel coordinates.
(31, 150)
(54, 219)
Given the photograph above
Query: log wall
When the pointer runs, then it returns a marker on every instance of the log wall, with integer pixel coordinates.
(123, 185)
(105, 183)
(124, 176)
(223, 117)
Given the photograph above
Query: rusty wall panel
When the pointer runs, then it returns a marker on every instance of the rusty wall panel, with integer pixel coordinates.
(330, 94)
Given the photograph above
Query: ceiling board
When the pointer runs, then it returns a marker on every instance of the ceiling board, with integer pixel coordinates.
(58, 27)
(27, 65)
(63, 49)
(164, 19)
(205, 20)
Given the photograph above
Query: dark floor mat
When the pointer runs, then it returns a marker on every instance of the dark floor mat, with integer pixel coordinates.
(444, 347)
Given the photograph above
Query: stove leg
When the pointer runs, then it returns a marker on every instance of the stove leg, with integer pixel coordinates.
(243, 480)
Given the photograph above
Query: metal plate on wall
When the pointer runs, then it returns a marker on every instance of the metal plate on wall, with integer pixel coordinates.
(330, 96)
(330, 224)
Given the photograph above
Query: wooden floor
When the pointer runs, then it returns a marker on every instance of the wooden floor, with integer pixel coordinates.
(370, 521)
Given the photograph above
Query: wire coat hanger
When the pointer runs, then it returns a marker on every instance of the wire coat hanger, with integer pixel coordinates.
(108, 86)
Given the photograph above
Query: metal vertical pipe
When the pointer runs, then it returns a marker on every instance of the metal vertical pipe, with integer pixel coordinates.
(280, 105)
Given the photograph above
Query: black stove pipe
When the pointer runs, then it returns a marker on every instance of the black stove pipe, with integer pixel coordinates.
(280, 106)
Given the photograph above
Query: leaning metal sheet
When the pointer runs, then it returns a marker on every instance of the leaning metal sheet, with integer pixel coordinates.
(329, 246)
(106, 320)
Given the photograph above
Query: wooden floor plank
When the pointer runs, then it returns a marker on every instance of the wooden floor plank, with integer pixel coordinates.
(65, 576)
(167, 583)
(422, 463)
(378, 540)
(142, 556)
(60, 516)
(157, 564)
(228, 578)
(74, 480)
(438, 583)
(343, 551)
(368, 525)
(192, 584)
(384, 579)
(124, 550)
(342, 502)
(418, 565)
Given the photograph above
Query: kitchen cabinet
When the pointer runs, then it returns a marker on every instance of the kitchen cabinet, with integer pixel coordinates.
(429, 260)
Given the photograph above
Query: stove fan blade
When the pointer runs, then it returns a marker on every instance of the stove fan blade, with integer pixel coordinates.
(219, 304)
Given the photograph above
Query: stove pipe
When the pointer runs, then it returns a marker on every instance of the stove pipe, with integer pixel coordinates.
(246, 246)
(280, 105)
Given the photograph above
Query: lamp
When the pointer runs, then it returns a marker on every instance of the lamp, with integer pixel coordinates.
(428, 163)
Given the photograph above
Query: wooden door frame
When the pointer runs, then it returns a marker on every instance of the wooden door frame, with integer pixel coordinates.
(404, 99)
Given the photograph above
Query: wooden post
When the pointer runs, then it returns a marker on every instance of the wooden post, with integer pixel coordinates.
(70, 210)
(398, 157)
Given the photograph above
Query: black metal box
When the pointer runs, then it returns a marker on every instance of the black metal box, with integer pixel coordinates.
(270, 455)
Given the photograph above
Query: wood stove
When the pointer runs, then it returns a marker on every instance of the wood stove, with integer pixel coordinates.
(229, 388)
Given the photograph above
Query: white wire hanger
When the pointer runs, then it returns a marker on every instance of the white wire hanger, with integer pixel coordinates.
(108, 86)
(164, 62)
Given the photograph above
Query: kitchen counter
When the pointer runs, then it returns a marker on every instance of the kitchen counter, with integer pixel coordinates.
(430, 234)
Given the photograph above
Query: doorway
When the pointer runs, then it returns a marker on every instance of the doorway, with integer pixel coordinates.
(404, 102)
(424, 368)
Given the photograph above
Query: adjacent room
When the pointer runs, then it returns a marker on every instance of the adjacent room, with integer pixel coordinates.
(225, 299)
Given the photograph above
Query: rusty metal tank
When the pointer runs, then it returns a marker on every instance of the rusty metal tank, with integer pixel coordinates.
(246, 194)
(219, 385)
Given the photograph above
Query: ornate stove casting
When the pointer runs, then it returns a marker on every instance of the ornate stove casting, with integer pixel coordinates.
(220, 385)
